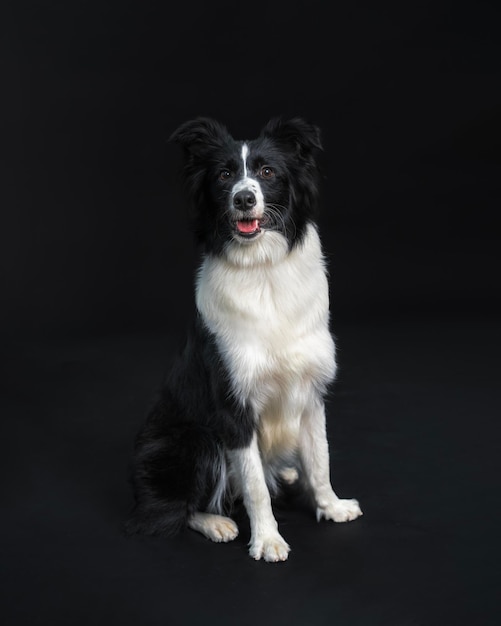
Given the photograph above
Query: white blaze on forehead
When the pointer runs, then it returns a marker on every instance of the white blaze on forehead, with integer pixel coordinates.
(246, 182)
(245, 152)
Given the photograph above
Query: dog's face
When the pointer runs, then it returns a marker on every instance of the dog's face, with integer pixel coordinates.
(245, 192)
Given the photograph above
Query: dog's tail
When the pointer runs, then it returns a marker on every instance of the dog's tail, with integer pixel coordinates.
(175, 474)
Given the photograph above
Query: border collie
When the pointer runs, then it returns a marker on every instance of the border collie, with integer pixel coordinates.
(242, 410)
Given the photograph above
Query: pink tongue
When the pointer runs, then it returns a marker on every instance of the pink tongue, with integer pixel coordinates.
(248, 227)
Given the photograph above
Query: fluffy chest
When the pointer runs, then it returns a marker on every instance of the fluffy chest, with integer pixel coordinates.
(270, 322)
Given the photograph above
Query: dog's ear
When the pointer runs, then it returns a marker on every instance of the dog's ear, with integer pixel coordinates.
(201, 136)
(295, 134)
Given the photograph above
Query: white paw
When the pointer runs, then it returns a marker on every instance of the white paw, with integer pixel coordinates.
(289, 475)
(340, 511)
(215, 527)
(271, 548)
(223, 529)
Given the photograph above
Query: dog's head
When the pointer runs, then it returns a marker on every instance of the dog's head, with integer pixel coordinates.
(251, 198)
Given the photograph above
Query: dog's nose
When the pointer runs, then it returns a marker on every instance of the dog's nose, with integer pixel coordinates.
(244, 200)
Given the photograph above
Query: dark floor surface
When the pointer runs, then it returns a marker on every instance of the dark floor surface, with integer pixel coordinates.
(413, 425)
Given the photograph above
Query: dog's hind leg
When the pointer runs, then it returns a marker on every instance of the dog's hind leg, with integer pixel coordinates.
(177, 471)
(215, 527)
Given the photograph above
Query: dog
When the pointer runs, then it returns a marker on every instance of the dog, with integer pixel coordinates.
(241, 413)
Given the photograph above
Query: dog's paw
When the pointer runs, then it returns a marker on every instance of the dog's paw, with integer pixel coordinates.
(289, 475)
(271, 548)
(339, 511)
(223, 529)
(215, 527)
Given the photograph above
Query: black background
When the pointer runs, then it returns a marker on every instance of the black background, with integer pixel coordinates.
(97, 265)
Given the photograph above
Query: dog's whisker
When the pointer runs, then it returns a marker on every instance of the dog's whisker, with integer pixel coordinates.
(275, 214)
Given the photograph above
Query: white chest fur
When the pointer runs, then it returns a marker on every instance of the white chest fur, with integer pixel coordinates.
(271, 324)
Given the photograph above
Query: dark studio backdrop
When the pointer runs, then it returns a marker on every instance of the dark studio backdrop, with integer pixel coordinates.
(97, 266)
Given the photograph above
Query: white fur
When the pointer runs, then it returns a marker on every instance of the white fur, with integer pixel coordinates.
(246, 182)
(220, 480)
(245, 154)
(215, 527)
(269, 311)
(266, 542)
(270, 317)
(289, 475)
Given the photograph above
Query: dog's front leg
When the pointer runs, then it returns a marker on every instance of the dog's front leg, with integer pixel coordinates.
(266, 542)
(314, 453)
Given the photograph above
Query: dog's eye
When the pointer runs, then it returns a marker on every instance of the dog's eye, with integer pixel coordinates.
(224, 175)
(266, 172)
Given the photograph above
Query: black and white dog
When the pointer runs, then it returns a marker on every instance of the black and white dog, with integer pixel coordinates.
(242, 410)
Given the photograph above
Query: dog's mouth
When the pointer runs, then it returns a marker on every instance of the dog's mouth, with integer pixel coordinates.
(249, 228)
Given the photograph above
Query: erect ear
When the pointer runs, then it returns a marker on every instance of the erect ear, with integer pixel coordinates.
(295, 133)
(200, 136)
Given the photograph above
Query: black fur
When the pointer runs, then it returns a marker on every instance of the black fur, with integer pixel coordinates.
(184, 438)
(291, 145)
(181, 447)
